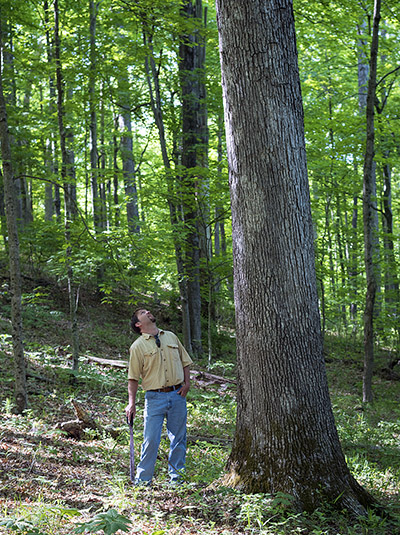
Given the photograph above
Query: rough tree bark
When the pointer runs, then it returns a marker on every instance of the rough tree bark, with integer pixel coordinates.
(369, 213)
(13, 252)
(285, 439)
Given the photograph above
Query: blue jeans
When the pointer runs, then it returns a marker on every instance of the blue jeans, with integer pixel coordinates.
(172, 407)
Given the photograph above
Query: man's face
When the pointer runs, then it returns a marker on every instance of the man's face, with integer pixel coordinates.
(145, 317)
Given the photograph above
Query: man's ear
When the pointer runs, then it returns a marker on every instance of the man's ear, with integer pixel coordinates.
(138, 324)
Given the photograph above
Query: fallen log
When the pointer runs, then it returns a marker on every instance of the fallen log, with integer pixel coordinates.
(210, 440)
(196, 374)
(389, 374)
(108, 362)
(394, 362)
(199, 374)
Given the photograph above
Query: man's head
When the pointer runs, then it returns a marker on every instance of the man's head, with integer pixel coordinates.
(141, 319)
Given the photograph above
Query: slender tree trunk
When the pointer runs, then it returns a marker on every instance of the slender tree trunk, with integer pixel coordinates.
(3, 223)
(391, 277)
(57, 195)
(391, 281)
(13, 253)
(117, 215)
(128, 171)
(220, 247)
(48, 188)
(50, 156)
(68, 178)
(128, 163)
(219, 229)
(341, 251)
(354, 263)
(206, 274)
(336, 218)
(26, 197)
(155, 99)
(285, 437)
(94, 159)
(104, 185)
(10, 98)
(369, 214)
(362, 79)
(194, 150)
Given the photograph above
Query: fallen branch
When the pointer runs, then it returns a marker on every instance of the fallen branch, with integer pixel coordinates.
(76, 428)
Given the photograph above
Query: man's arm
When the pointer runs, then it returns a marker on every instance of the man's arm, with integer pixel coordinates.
(130, 409)
(186, 384)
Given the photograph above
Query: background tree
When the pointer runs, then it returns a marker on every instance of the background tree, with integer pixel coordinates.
(194, 160)
(69, 186)
(10, 198)
(369, 212)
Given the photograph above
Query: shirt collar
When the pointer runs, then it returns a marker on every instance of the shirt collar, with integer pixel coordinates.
(147, 335)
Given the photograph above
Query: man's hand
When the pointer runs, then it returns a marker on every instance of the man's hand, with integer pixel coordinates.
(184, 389)
(186, 382)
(130, 411)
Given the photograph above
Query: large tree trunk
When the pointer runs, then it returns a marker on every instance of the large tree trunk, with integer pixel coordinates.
(13, 252)
(285, 439)
(369, 214)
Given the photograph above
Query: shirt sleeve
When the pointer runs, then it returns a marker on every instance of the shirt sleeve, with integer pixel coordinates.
(135, 363)
(185, 359)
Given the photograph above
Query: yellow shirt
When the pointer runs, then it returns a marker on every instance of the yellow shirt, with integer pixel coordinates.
(158, 367)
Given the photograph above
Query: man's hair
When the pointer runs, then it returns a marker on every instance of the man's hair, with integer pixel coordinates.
(134, 320)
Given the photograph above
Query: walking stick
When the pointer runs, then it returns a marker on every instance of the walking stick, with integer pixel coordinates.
(131, 450)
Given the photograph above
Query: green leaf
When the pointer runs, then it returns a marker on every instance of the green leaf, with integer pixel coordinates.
(21, 526)
(110, 522)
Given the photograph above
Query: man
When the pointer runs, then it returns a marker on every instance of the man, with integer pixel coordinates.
(163, 364)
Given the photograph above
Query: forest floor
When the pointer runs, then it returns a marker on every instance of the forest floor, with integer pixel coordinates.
(55, 485)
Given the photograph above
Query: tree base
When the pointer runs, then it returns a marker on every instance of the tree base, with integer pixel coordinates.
(349, 495)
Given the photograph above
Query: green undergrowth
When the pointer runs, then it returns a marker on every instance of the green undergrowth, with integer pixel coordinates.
(55, 485)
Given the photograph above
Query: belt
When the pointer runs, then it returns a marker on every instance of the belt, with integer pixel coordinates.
(166, 389)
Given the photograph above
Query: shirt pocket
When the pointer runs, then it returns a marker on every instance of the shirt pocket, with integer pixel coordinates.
(174, 351)
(151, 353)
(149, 359)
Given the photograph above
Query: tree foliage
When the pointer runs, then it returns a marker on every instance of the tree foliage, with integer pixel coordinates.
(107, 79)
